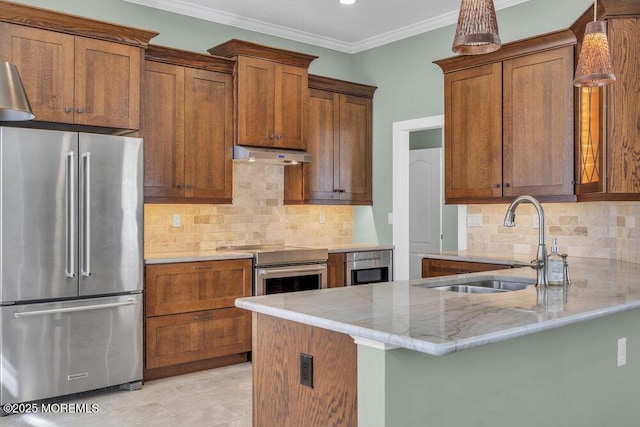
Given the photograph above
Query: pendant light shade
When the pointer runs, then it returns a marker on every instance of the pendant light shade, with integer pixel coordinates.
(594, 63)
(14, 105)
(477, 30)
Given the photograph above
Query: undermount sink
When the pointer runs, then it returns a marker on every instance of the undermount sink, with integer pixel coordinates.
(484, 287)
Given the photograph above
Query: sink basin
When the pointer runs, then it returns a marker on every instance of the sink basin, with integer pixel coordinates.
(484, 287)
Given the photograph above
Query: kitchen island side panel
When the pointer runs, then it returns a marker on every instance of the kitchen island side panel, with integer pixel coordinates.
(562, 377)
(278, 397)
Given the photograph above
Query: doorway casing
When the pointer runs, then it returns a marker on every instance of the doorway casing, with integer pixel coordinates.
(400, 199)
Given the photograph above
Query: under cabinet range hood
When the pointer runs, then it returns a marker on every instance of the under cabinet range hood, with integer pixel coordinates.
(273, 156)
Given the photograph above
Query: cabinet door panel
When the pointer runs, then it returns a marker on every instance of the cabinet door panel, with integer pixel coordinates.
(323, 138)
(336, 270)
(354, 156)
(107, 84)
(473, 132)
(208, 131)
(200, 335)
(163, 130)
(185, 287)
(45, 61)
(255, 101)
(623, 127)
(291, 95)
(538, 124)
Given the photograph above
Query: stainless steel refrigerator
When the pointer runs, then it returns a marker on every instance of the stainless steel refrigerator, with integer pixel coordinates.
(71, 210)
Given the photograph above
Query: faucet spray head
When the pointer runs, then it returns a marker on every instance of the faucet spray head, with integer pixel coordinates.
(510, 218)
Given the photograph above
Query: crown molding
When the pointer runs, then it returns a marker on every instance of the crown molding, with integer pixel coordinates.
(221, 17)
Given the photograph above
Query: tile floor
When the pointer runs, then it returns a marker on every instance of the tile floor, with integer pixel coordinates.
(215, 398)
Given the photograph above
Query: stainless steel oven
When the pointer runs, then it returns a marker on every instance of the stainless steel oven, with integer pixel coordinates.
(369, 267)
(278, 269)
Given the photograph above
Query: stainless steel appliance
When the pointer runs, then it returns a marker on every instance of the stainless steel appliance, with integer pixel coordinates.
(369, 267)
(71, 269)
(278, 269)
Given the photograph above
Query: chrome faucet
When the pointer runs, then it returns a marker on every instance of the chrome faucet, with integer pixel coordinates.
(540, 263)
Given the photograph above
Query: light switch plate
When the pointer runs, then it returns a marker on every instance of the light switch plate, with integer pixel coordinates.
(622, 351)
(176, 221)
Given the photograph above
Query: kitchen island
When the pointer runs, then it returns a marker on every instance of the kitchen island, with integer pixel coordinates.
(430, 357)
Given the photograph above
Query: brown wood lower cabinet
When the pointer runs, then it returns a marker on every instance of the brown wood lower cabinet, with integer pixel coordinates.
(278, 397)
(183, 338)
(336, 270)
(191, 322)
(441, 267)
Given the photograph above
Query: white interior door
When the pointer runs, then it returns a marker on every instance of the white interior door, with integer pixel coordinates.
(424, 206)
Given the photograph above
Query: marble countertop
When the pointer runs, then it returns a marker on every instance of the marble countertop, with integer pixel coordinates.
(194, 256)
(213, 255)
(411, 315)
(493, 258)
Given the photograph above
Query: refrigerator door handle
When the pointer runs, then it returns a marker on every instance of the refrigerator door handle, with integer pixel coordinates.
(70, 217)
(130, 301)
(86, 223)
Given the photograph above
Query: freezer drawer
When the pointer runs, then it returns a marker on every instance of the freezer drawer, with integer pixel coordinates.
(54, 349)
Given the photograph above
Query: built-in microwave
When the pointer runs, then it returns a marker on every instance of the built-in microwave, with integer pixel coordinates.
(369, 267)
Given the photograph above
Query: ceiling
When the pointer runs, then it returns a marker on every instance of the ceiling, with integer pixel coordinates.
(326, 23)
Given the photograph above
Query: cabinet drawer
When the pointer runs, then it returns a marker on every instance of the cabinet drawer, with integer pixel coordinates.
(438, 267)
(188, 337)
(195, 286)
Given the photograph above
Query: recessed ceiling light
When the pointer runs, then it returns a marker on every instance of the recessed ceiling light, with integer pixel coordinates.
(347, 1)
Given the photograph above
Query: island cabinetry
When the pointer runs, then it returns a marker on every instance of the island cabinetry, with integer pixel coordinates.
(608, 118)
(279, 399)
(271, 94)
(190, 319)
(188, 127)
(336, 270)
(75, 70)
(509, 122)
(441, 267)
(339, 139)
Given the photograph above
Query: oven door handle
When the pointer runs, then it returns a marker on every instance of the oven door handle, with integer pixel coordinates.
(300, 269)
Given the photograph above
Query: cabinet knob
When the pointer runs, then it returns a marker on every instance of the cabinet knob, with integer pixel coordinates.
(271, 136)
(180, 186)
(68, 109)
(189, 186)
(507, 185)
(496, 185)
(279, 137)
(80, 110)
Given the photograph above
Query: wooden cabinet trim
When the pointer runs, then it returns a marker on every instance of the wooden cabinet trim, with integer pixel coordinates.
(341, 86)
(65, 23)
(509, 50)
(185, 58)
(235, 47)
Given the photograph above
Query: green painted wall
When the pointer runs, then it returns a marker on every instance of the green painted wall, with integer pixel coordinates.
(409, 84)
(562, 377)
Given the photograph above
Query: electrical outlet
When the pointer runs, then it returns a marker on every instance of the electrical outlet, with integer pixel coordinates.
(535, 223)
(390, 218)
(176, 221)
(321, 218)
(474, 220)
(306, 370)
(622, 351)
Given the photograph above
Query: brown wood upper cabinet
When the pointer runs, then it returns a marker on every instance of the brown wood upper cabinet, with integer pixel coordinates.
(608, 118)
(75, 70)
(271, 94)
(509, 122)
(339, 139)
(187, 127)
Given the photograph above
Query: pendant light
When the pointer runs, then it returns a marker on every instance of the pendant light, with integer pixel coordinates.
(14, 105)
(594, 63)
(477, 30)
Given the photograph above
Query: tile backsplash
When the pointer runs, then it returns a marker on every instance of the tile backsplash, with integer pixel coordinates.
(257, 216)
(595, 229)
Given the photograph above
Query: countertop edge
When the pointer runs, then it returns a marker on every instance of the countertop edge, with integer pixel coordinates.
(197, 258)
(424, 346)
